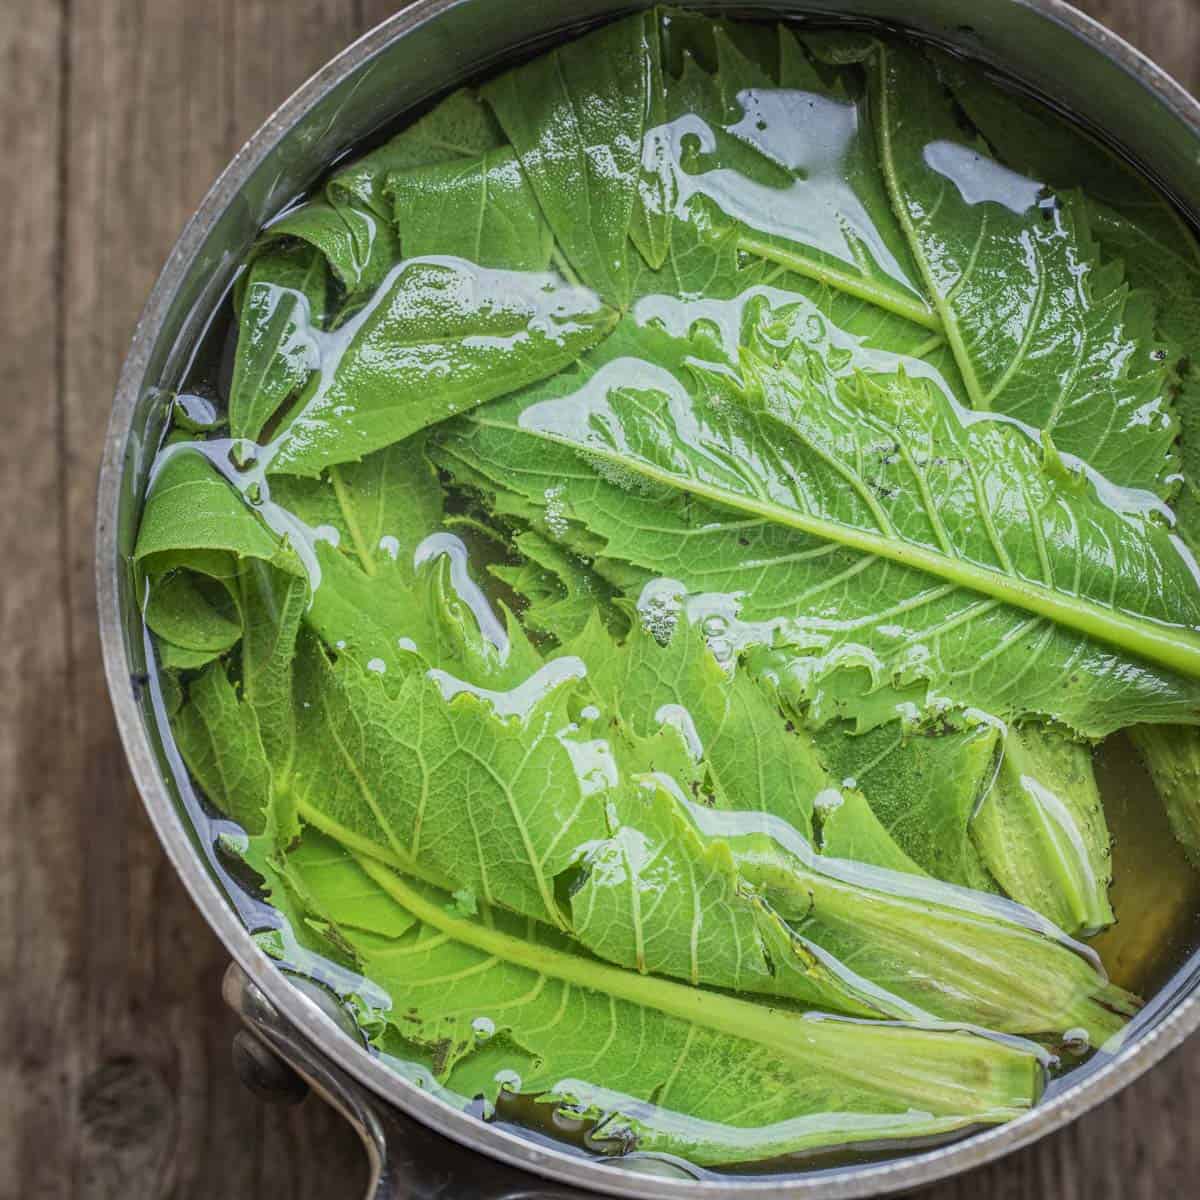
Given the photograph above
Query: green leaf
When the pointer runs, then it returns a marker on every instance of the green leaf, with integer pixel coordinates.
(793, 167)
(437, 339)
(657, 897)
(350, 223)
(461, 126)
(561, 591)
(1172, 755)
(576, 117)
(1168, 268)
(651, 225)
(701, 261)
(959, 955)
(191, 610)
(482, 210)
(180, 658)
(884, 466)
(443, 617)
(1028, 138)
(847, 827)
(757, 761)
(924, 787)
(190, 506)
(887, 466)
(1041, 831)
(380, 509)
(282, 302)
(920, 643)
(359, 245)
(1041, 332)
(218, 735)
(273, 604)
(447, 788)
(333, 887)
(685, 1071)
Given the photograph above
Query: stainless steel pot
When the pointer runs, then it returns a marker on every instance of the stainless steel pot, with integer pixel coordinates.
(419, 1146)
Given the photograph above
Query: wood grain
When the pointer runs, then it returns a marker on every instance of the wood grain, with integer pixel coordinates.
(114, 1064)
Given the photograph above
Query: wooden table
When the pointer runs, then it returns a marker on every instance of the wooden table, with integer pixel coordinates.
(115, 1077)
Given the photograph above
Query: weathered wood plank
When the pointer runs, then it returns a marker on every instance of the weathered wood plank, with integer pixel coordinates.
(38, 865)
(160, 95)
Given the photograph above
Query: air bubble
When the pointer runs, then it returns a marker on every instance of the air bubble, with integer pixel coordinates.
(1076, 1041)
(659, 606)
(484, 1027)
(556, 512)
(722, 649)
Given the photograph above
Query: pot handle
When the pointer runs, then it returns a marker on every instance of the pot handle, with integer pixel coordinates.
(408, 1161)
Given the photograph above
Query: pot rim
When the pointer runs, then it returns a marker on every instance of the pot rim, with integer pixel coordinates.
(912, 1171)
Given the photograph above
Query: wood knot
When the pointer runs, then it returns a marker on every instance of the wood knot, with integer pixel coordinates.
(125, 1102)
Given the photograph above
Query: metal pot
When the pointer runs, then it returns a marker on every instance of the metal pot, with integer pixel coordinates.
(418, 1145)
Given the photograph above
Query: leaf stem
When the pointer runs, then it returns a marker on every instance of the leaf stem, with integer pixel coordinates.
(944, 314)
(846, 281)
(363, 847)
(943, 1070)
(343, 499)
(564, 268)
(1175, 647)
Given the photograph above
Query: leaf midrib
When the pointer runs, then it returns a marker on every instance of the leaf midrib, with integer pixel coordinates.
(788, 1034)
(1177, 649)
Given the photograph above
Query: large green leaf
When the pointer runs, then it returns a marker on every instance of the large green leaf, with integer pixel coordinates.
(437, 338)
(1041, 332)
(491, 1004)
(792, 166)
(1042, 833)
(885, 466)
(720, 490)
(576, 117)
(282, 302)
(480, 209)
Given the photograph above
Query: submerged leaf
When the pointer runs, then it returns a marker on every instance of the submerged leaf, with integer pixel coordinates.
(1173, 758)
(1041, 831)
(482, 210)
(437, 338)
(576, 117)
(283, 300)
(668, 1067)
(1041, 332)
